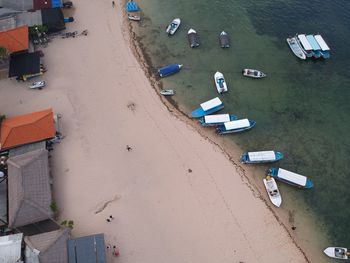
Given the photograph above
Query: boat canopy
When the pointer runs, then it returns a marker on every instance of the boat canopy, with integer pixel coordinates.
(210, 104)
(232, 125)
(322, 43)
(304, 42)
(262, 156)
(292, 177)
(313, 42)
(216, 118)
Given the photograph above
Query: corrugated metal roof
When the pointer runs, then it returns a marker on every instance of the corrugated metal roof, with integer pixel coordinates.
(88, 249)
(10, 248)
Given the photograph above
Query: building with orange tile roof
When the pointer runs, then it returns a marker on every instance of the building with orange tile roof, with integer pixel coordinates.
(15, 40)
(28, 128)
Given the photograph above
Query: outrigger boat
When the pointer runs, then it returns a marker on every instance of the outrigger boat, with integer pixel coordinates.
(220, 82)
(295, 47)
(134, 17)
(272, 191)
(261, 157)
(174, 25)
(290, 178)
(235, 126)
(208, 107)
(324, 47)
(216, 119)
(169, 70)
(167, 92)
(337, 252)
(305, 45)
(253, 73)
(224, 40)
(193, 38)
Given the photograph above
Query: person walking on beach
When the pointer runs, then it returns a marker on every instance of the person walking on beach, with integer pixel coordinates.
(113, 4)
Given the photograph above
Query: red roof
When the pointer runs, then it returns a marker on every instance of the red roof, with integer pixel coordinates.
(32, 127)
(15, 40)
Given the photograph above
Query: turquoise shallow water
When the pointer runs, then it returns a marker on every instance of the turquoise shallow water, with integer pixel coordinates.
(302, 108)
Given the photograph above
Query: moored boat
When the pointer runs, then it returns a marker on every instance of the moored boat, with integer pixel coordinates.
(324, 47)
(169, 70)
(305, 45)
(235, 126)
(167, 92)
(290, 178)
(174, 25)
(315, 47)
(337, 252)
(261, 157)
(132, 6)
(193, 38)
(208, 107)
(253, 73)
(220, 82)
(224, 40)
(134, 17)
(295, 47)
(272, 191)
(216, 119)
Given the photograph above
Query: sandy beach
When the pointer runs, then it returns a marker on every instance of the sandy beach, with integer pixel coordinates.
(175, 196)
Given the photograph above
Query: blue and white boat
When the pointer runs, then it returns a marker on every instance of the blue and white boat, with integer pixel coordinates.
(174, 25)
(290, 178)
(295, 47)
(132, 6)
(220, 82)
(216, 119)
(324, 47)
(169, 70)
(208, 107)
(235, 126)
(307, 48)
(337, 252)
(261, 157)
(315, 46)
(272, 191)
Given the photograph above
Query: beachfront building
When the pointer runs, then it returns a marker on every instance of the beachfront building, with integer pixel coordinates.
(47, 247)
(87, 249)
(29, 189)
(26, 129)
(10, 248)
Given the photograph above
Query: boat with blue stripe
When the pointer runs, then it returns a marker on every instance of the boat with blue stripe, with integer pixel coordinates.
(208, 107)
(216, 119)
(290, 178)
(261, 157)
(307, 48)
(315, 46)
(235, 126)
(324, 47)
(169, 70)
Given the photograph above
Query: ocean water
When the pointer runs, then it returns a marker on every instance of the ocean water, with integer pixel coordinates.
(302, 108)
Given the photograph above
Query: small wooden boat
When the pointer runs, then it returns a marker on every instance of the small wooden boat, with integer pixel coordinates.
(253, 73)
(220, 82)
(134, 17)
(193, 38)
(295, 47)
(235, 126)
(174, 25)
(169, 70)
(290, 178)
(272, 191)
(167, 92)
(337, 252)
(224, 40)
(261, 157)
(216, 119)
(208, 107)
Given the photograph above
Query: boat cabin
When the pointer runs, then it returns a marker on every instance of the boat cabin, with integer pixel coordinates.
(238, 124)
(305, 45)
(292, 177)
(217, 118)
(324, 47)
(315, 47)
(210, 104)
(262, 156)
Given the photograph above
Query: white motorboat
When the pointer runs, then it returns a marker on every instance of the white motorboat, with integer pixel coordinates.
(220, 82)
(296, 48)
(272, 191)
(167, 92)
(174, 25)
(253, 73)
(134, 17)
(38, 85)
(337, 252)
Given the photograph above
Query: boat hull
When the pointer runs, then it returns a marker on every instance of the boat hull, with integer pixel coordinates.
(199, 112)
(272, 191)
(295, 47)
(169, 70)
(253, 73)
(173, 27)
(273, 172)
(245, 159)
(336, 252)
(220, 82)
(221, 128)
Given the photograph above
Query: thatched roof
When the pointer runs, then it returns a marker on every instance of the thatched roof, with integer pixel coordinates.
(49, 247)
(28, 188)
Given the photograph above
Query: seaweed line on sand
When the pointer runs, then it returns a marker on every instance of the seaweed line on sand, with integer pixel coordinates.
(146, 65)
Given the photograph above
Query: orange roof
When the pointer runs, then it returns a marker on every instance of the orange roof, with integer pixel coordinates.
(32, 127)
(15, 39)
